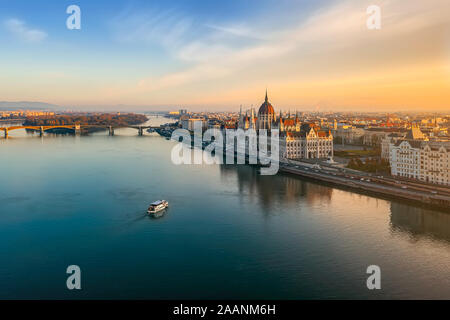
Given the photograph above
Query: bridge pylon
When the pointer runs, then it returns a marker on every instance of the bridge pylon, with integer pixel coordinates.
(77, 129)
(141, 131)
(41, 131)
(111, 131)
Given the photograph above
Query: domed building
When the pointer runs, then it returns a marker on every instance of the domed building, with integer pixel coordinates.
(266, 115)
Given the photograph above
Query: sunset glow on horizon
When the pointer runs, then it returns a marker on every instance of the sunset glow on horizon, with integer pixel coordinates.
(311, 55)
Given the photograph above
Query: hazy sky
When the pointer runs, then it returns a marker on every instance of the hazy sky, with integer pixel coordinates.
(216, 55)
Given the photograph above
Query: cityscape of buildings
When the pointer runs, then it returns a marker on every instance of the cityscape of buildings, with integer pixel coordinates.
(415, 145)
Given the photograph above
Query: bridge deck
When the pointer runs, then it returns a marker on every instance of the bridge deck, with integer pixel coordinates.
(75, 127)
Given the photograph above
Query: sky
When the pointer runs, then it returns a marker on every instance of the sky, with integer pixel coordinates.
(315, 55)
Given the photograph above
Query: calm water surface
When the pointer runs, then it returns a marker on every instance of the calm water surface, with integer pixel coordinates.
(229, 232)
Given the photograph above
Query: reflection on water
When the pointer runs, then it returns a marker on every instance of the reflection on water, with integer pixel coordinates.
(419, 222)
(275, 191)
(159, 215)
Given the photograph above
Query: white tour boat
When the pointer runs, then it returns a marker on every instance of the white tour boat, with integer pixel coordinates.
(157, 206)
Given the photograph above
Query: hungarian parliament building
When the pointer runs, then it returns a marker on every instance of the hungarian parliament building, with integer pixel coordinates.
(297, 140)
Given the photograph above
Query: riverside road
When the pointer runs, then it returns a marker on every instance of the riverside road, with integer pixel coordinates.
(438, 196)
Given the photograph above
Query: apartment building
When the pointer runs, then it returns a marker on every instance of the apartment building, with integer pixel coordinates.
(405, 159)
(189, 123)
(387, 141)
(421, 160)
(435, 164)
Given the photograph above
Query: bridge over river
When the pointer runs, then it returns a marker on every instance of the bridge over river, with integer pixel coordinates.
(75, 127)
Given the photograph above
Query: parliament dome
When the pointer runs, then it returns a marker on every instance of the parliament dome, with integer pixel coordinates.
(266, 107)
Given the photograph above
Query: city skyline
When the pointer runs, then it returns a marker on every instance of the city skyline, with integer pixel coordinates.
(224, 159)
(311, 55)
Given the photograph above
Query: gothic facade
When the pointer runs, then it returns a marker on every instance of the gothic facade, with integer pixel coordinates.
(297, 140)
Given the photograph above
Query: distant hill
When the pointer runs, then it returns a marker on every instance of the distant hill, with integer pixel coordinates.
(28, 105)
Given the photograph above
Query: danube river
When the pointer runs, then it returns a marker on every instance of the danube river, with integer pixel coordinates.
(229, 233)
